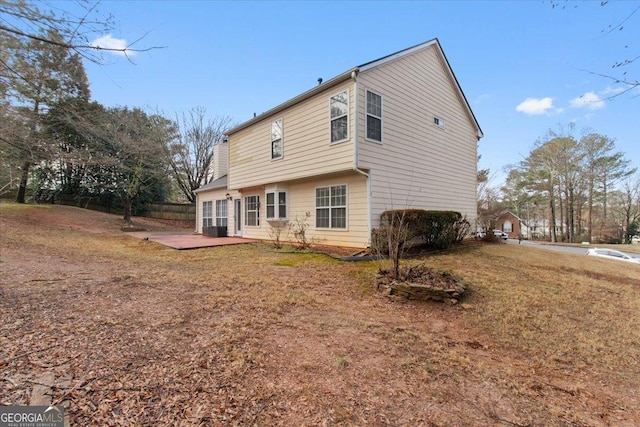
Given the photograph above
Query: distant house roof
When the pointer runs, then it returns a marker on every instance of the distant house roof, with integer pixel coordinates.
(214, 185)
(513, 215)
(341, 78)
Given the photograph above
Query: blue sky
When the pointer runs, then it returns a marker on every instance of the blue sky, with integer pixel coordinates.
(523, 66)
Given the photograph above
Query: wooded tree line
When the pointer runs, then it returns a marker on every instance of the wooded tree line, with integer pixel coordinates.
(55, 140)
(569, 189)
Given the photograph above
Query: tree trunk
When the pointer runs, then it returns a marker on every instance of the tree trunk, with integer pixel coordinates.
(590, 208)
(571, 216)
(22, 189)
(126, 203)
(552, 212)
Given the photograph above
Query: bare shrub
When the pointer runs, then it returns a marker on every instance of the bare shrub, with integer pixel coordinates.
(390, 240)
(275, 233)
(299, 228)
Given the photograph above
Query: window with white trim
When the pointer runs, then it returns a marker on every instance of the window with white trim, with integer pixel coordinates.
(252, 211)
(331, 207)
(339, 110)
(277, 205)
(221, 213)
(438, 122)
(374, 116)
(207, 214)
(276, 140)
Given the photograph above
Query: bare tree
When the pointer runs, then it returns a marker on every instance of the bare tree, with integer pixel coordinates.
(627, 206)
(131, 155)
(620, 67)
(190, 154)
(26, 21)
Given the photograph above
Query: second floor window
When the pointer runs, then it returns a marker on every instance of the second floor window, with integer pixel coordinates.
(207, 214)
(252, 211)
(221, 213)
(339, 109)
(277, 205)
(276, 139)
(374, 116)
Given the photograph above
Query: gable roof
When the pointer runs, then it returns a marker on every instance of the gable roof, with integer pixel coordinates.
(413, 49)
(352, 73)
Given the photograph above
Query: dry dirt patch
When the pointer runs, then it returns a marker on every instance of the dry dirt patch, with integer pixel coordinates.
(146, 335)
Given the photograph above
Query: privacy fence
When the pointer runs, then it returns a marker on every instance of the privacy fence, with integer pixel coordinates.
(165, 211)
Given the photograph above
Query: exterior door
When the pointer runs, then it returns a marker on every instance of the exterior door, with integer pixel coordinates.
(237, 217)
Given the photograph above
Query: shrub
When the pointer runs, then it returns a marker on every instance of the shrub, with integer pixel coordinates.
(299, 228)
(436, 229)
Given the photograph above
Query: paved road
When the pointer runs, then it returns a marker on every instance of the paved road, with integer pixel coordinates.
(580, 250)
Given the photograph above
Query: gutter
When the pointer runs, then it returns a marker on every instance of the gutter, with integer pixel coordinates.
(356, 153)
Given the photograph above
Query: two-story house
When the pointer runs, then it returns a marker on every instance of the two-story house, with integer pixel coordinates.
(393, 133)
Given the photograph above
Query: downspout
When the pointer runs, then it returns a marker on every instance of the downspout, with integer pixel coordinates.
(356, 153)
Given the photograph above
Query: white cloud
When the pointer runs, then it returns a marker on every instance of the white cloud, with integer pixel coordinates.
(535, 106)
(109, 42)
(611, 90)
(589, 100)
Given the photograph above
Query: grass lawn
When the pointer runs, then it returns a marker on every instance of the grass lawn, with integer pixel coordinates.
(139, 334)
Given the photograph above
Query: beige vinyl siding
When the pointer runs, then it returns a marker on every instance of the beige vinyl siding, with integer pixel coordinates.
(307, 148)
(220, 162)
(213, 195)
(301, 198)
(419, 164)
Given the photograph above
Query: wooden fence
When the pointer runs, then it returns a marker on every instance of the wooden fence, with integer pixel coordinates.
(173, 211)
(169, 211)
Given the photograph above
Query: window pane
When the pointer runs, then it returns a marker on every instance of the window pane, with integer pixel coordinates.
(339, 129)
(339, 195)
(374, 128)
(271, 211)
(322, 218)
(374, 104)
(282, 205)
(252, 218)
(276, 149)
(338, 218)
(270, 198)
(322, 197)
(339, 105)
(276, 130)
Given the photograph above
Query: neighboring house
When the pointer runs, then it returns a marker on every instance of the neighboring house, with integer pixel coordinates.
(511, 224)
(393, 133)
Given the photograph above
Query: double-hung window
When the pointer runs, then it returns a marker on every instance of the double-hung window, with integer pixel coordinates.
(374, 116)
(339, 110)
(207, 214)
(276, 205)
(276, 140)
(331, 207)
(252, 211)
(221, 213)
